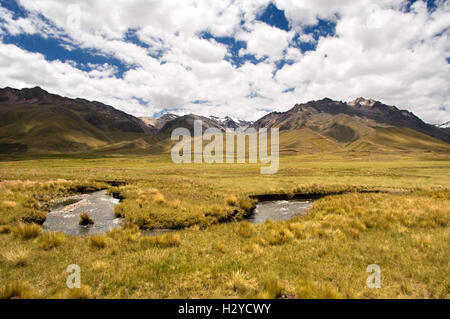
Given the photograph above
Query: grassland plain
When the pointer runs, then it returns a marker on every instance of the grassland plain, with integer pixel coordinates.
(324, 255)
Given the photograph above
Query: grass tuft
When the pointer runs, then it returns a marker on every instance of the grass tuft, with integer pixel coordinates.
(5, 229)
(27, 231)
(49, 241)
(16, 290)
(159, 198)
(279, 236)
(84, 292)
(232, 200)
(245, 229)
(35, 217)
(271, 287)
(16, 257)
(127, 233)
(85, 220)
(247, 204)
(314, 290)
(162, 241)
(241, 283)
(98, 241)
(254, 249)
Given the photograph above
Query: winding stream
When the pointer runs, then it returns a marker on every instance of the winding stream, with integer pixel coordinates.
(65, 216)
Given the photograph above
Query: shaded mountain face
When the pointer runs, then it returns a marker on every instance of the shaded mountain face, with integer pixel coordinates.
(36, 121)
(228, 122)
(187, 121)
(347, 122)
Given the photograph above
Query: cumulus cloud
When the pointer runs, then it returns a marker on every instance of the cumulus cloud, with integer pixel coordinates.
(265, 41)
(384, 49)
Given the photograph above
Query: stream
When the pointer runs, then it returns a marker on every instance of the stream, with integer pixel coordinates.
(65, 216)
(280, 210)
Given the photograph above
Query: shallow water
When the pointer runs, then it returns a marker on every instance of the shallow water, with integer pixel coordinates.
(99, 206)
(279, 210)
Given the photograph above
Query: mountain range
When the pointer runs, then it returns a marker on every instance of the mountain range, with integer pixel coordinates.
(33, 121)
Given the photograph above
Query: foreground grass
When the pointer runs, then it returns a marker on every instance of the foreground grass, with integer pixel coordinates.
(324, 255)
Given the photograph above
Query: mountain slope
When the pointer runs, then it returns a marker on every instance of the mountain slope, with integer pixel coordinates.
(348, 122)
(33, 121)
(36, 121)
(158, 123)
(358, 126)
(187, 121)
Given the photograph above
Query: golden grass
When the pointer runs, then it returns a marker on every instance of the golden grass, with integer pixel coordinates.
(271, 287)
(322, 255)
(254, 249)
(5, 229)
(27, 231)
(16, 290)
(279, 236)
(315, 290)
(9, 204)
(232, 200)
(98, 241)
(49, 241)
(245, 229)
(16, 256)
(241, 283)
(127, 233)
(162, 241)
(159, 198)
(84, 292)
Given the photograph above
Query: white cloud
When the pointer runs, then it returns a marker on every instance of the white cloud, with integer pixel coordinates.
(379, 51)
(265, 41)
(383, 53)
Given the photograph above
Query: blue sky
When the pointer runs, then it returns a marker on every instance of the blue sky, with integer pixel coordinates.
(239, 58)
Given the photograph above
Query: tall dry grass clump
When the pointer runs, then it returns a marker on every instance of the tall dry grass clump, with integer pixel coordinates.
(279, 236)
(162, 241)
(98, 241)
(127, 233)
(315, 290)
(84, 292)
(245, 229)
(16, 290)
(271, 287)
(247, 205)
(232, 200)
(85, 220)
(5, 229)
(9, 204)
(27, 231)
(16, 256)
(254, 249)
(159, 198)
(49, 241)
(241, 283)
(174, 204)
(35, 217)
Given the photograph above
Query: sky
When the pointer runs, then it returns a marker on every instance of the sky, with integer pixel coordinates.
(242, 58)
